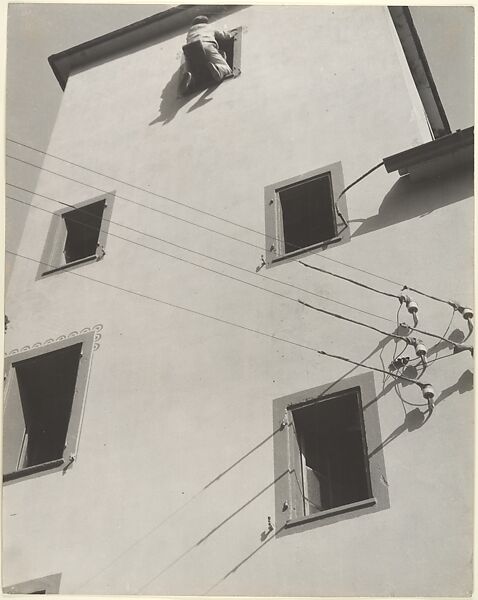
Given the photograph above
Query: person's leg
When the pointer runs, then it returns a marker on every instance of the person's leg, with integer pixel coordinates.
(216, 63)
(185, 78)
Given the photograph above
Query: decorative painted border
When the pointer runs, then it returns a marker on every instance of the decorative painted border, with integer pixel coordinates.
(96, 328)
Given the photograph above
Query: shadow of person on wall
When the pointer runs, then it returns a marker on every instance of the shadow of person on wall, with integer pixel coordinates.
(408, 199)
(172, 101)
(203, 100)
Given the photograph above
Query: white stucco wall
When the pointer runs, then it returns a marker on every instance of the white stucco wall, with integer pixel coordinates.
(176, 399)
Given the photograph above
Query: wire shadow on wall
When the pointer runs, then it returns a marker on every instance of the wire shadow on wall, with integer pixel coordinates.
(408, 199)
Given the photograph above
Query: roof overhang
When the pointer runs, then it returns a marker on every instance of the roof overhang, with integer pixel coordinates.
(448, 151)
(146, 31)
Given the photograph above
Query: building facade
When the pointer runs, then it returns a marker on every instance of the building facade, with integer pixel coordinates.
(169, 426)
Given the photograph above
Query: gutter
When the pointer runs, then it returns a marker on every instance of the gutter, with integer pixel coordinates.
(460, 143)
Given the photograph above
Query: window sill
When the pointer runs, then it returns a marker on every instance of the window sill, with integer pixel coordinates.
(74, 263)
(52, 464)
(300, 251)
(332, 512)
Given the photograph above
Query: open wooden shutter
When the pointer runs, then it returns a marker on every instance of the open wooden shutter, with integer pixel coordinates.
(273, 224)
(13, 424)
(296, 476)
(312, 493)
(237, 49)
(56, 257)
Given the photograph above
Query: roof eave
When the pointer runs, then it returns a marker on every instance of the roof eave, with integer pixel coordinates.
(129, 37)
(447, 145)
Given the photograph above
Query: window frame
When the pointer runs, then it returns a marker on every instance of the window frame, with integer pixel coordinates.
(289, 495)
(50, 584)
(87, 341)
(56, 239)
(275, 239)
(237, 45)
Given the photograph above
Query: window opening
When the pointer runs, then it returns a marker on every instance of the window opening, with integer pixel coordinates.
(226, 48)
(44, 585)
(46, 386)
(333, 452)
(45, 391)
(307, 212)
(77, 235)
(83, 229)
(301, 214)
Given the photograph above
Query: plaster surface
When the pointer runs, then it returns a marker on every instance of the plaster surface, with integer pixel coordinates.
(174, 478)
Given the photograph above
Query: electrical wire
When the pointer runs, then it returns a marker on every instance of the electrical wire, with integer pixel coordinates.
(163, 253)
(220, 320)
(430, 362)
(238, 280)
(283, 296)
(360, 179)
(353, 362)
(363, 285)
(141, 232)
(337, 210)
(450, 323)
(180, 203)
(393, 335)
(397, 318)
(134, 186)
(172, 216)
(337, 316)
(452, 304)
(152, 208)
(403, 401)
(434, 335)
(278, 294)
(194, 208)
(394, 358)
(167, 214)
(383, 293)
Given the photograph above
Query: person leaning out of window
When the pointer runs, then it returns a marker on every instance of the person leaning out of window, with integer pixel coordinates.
(202, 31)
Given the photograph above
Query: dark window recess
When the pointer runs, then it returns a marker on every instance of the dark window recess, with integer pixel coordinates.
(83, 227)
(226, 47)
(307, 212)
(44, 585)
(331, 439)
(46, 386)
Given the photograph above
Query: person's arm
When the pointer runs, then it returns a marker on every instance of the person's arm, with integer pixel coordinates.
(222, 35)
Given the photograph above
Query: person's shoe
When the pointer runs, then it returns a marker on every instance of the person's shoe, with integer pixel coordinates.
(186, 81)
